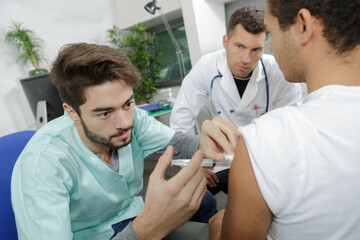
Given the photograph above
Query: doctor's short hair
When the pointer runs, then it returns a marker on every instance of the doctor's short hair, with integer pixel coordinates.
(81, 65)
(251, 19)
(341, 19)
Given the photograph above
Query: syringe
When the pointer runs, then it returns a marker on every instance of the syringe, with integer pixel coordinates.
(206, 163)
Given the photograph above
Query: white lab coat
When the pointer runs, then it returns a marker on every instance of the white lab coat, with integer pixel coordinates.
(225, 99)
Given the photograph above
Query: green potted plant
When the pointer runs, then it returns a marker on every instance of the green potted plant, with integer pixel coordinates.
(139, 48)
(27, 45)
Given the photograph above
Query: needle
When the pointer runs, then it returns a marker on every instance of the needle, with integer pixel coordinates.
(206, 163)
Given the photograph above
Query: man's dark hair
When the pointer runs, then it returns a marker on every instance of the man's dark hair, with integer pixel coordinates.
(81, 65)
(251, 19)
(341, 19)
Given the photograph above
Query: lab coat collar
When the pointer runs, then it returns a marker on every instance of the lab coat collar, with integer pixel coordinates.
(229, 86)
(227, 80)
(258, 73)
(252, 88)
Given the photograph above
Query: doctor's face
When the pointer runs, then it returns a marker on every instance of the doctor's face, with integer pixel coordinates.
(243, 50)
(107, 116)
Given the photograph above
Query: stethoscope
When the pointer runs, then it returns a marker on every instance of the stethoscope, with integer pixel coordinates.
(219, 75)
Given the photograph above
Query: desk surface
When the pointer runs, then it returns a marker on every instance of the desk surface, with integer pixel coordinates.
(155, 109)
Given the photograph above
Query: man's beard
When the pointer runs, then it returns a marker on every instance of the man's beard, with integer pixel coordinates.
(107, 142)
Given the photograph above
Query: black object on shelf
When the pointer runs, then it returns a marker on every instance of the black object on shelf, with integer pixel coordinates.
(43, 98)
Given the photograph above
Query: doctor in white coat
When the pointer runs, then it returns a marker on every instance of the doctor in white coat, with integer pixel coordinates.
(240, 81)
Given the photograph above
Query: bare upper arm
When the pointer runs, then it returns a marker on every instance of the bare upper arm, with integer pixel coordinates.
(247, 216)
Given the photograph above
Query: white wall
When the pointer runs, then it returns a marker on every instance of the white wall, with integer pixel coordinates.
(61, 22)
(55, 22)
(205, 25)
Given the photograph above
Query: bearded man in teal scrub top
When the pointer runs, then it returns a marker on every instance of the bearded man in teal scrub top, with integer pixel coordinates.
(79, 176)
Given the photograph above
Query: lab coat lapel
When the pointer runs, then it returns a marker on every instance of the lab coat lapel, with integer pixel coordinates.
(228, 83)
(252, 88)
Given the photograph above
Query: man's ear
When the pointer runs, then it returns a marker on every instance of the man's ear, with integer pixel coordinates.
(225, 41)
(71, 112)
(305, 26)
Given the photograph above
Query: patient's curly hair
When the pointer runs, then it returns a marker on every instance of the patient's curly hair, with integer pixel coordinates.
(341, 19)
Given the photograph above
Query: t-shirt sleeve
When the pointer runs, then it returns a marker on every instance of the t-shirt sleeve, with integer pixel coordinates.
(185, 145)
(275, 155)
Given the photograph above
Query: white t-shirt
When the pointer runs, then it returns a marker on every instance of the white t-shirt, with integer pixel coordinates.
(306, 161)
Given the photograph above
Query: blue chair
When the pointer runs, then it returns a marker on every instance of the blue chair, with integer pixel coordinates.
(10, 148)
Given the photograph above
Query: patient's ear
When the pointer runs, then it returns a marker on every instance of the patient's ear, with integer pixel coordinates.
(305, 26)
(71, 112)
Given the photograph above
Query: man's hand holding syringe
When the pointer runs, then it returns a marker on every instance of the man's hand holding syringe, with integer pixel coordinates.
(217, 153)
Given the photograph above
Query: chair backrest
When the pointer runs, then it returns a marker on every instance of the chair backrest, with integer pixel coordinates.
(10, 148)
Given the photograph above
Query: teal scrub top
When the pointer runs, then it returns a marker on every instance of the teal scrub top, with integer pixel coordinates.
(61, 190)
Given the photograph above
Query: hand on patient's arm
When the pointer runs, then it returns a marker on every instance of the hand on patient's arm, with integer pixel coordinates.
(218, 136)
(247, 215)
(170, 203)
(215, 225)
